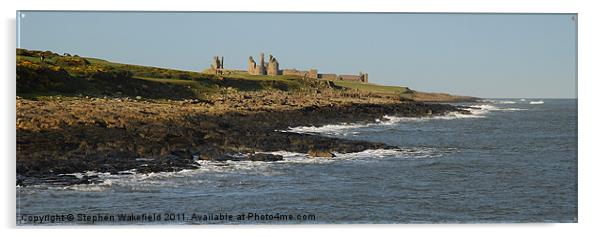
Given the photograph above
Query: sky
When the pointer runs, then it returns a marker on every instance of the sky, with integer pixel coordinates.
(483, 55)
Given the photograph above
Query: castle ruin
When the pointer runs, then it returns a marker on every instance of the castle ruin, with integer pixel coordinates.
(272, 67)
(263, 68)
(218, 65)
(362, 77)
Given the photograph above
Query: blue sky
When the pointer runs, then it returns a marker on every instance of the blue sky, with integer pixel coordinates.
(484, 55)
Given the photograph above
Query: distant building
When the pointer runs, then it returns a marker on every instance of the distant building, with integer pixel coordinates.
(313, 73)
(272, 67)
(255, 69)
(362, 77)
(218, 65)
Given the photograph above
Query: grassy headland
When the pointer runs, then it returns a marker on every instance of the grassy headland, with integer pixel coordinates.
(76, 114)
(72, 75)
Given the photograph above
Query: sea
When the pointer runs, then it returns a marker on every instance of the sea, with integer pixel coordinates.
(510, 161)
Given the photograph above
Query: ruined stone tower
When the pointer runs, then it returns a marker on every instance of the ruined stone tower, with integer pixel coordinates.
(261, 67)
(364, 77)
(273, 66)
(218, 65)
(257, 69)
(252, 65)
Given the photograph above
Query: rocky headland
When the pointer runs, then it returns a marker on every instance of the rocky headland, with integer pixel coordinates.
(62, 135)
(77, 114)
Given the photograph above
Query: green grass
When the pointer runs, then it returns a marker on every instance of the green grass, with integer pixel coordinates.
(276, 81)
(148, 71)
(29, 58)
(247, 76)
(154, 82)
(199, 88)
(103, 62)
(379, 89)
(247, 82)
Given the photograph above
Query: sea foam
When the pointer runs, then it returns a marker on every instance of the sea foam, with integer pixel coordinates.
(334, 129)
(139, 182)
(536, 102)
(344, 129)
(365, 155)
(501, 101)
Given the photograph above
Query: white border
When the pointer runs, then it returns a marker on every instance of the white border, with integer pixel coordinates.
(588, 88)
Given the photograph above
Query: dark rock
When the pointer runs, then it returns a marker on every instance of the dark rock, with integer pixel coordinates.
(167, 140)
(264, 157)
(320, 153)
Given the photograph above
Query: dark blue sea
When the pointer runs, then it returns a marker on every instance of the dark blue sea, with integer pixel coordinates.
(512, 160)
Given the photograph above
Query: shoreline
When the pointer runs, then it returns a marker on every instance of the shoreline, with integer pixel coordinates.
(63, 135)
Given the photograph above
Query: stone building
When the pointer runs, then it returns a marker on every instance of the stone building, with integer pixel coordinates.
(327, 76)
(313, 73)
(218, 65)
(254, 68)
(252, 65)
(272, 67)
(362, 77)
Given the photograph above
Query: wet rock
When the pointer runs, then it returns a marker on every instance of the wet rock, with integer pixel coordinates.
(264, 157)
(320, 153)
(117, 134)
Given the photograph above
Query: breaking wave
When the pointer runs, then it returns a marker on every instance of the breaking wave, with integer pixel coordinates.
(501, 101)
(485, 108)
(536, 102)
(335, 129)
(367, 155)
(344, 129)
(133, 181)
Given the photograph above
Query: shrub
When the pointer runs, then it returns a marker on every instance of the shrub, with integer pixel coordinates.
(71, 61)
(34, 77)
(112, 74)
(184, 76)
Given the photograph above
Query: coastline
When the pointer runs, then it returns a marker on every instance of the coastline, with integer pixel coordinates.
(64, 135)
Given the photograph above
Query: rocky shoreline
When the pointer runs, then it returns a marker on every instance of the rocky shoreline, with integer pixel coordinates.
(64, 135)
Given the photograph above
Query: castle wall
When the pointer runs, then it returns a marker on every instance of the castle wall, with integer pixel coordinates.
(272, 68)
(294, 72)
(328, 76)
(364, 77)
(261, 67)
(251, 66)
(313, 73)
(254, 68)
(217, 63)
(355, 78)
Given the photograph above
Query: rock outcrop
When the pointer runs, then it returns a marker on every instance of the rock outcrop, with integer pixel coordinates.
(62, 135)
